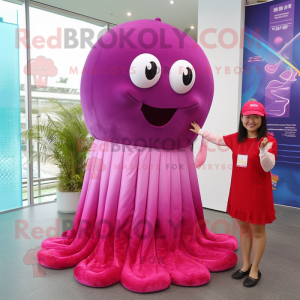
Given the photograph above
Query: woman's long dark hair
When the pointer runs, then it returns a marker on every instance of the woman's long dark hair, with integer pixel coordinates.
(262, 131)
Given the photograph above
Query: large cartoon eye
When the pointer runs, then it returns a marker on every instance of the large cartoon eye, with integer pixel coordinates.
(182, 76)
(145, 71)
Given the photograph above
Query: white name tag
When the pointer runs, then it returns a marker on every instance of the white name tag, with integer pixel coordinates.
(242, 161)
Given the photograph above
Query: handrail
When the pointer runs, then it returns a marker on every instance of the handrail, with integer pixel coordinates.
(25, 199)
(41, 179)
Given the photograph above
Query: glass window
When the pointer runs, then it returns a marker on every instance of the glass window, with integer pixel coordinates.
(58, 50)
(58, 53)
(11, 105)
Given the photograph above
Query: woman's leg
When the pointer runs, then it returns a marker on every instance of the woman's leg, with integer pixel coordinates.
(259, 243)
(246, 243)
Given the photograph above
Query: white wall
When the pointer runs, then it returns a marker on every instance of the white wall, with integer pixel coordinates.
(223, 116)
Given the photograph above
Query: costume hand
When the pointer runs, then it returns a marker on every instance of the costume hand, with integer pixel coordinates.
(196, 127)
(264, 143)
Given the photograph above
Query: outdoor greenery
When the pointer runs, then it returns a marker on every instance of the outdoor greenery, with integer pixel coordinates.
(64, 141)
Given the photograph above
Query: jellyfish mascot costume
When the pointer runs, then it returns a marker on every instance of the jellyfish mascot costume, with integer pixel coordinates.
(140, 218)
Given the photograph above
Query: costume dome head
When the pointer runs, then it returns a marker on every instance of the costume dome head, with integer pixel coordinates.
(143, 83)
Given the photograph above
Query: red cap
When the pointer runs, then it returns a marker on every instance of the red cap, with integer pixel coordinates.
(253, 108)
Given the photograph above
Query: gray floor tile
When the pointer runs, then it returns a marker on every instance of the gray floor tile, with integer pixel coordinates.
(19, 280)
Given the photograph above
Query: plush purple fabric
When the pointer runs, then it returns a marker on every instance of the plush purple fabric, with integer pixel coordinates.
(140, 218)
(112, 103)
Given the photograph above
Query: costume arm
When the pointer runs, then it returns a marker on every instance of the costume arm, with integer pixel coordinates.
(213, 138)
(267, 159)
(201, 156)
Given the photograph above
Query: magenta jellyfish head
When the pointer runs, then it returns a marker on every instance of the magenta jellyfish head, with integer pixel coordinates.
(143, 83)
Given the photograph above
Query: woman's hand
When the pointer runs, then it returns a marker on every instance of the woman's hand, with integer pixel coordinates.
(196, 127)
(263, 143)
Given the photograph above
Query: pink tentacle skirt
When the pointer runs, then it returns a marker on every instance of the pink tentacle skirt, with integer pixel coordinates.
(140, 221)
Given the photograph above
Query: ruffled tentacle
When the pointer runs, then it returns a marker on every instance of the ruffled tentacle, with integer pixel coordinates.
(142, 272)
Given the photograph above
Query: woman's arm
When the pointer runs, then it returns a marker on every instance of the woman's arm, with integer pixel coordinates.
(267, 159)
(211, 137)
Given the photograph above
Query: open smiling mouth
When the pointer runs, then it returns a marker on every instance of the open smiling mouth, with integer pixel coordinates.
(158, 116)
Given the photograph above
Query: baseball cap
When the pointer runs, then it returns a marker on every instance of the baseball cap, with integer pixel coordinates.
(253, 108)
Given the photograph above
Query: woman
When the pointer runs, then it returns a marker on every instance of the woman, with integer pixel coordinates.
(250, 199)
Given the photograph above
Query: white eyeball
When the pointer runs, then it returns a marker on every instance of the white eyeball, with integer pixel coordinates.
(182, 76)
(145, 71)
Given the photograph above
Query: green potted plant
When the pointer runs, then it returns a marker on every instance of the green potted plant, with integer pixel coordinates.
(63, 140)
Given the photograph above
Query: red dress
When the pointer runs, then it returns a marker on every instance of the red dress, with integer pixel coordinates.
(250, 196)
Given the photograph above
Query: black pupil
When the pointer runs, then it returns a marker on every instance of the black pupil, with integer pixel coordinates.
(187, 79)
(150, 73)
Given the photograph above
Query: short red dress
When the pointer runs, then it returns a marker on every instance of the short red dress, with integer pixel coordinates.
(251, 195)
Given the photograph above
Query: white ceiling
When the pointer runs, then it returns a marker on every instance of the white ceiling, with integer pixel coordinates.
(183, 14)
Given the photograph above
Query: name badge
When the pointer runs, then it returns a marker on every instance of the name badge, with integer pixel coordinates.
(242, 161)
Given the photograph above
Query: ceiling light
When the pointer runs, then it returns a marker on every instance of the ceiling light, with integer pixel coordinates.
(129, 14)
(192, 27)
(172, 2)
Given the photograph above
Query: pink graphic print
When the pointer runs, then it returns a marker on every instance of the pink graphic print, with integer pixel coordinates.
(41, 68)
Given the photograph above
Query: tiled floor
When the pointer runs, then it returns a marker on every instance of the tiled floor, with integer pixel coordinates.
(280, 264)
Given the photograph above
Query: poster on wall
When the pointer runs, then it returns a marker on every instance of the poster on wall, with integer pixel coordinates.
(272, 76)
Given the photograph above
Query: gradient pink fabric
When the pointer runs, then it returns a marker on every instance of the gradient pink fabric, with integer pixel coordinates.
(140, 221)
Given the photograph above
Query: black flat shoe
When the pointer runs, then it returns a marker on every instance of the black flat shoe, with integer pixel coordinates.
(250, 282)
(239, 274)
